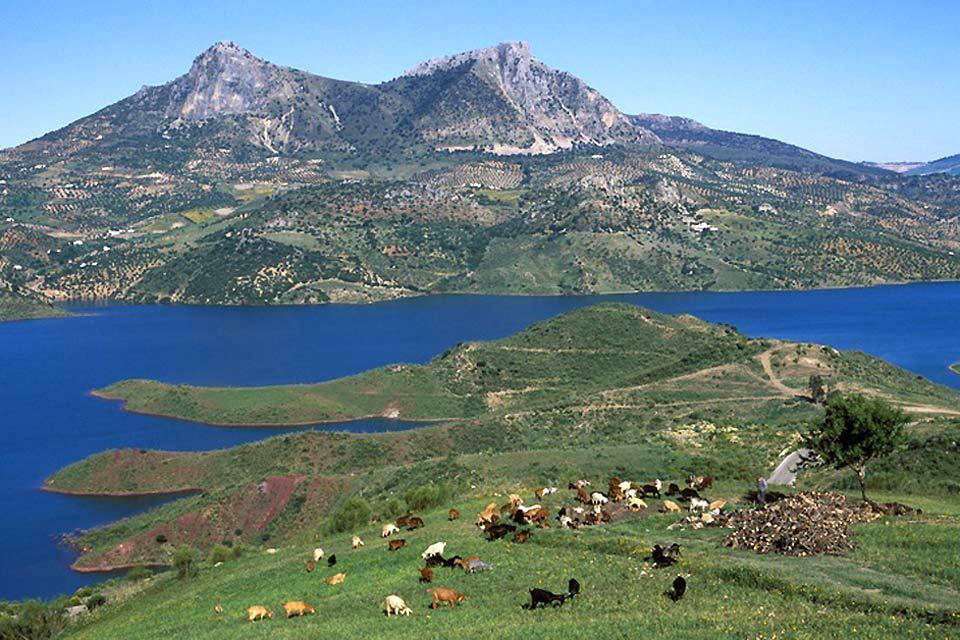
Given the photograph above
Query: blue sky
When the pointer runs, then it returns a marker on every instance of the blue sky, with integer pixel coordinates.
(859, 80)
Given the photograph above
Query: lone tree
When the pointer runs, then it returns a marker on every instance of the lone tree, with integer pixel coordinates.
(854, 431)
(818, 390)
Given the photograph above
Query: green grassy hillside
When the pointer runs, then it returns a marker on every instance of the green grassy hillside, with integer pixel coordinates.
(902, 581)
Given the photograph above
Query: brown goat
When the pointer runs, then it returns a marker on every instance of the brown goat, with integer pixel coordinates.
(258, 612)
(414, 522)
(297, 608)
(311, 565)
(426, 574)
(336, 578)
(446, 596)
(454, 514)
(397, 544)
(521, 536)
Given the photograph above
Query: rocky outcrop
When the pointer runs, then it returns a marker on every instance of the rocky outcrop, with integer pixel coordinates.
(504, 100)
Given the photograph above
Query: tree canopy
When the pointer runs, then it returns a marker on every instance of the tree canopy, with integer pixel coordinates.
(856, 429)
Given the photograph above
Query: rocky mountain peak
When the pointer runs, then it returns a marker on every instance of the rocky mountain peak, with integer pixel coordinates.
(500, 55)
(224, 79)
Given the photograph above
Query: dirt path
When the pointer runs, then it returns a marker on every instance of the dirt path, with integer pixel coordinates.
(774, 380)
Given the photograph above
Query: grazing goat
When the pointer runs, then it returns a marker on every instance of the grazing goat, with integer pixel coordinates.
(665, 556)
(597, 498)
(218, 609)
(414, 522)
(317, 554)
(397, 544)
(716, 506)
(395, 606)
(582, 496)
(436, 549)
(689, 494)
(332, 560)
(539, 493)
(679, 588)
(521, 536)
(669, 506)
(488, 516)
(697, 503)
(271, 551)
(435, 561)
(389, 529)
(449, 597)
(311, 565)
(476, 565)
(497, 531)
(542, 597)
(426, 574)
(297, 608)
(356, 543)
(454, 514)
(258, 612)
(636, 504)
(652, 489)
(455, 561)
(336, 578)
(673, 489)
(402, 520)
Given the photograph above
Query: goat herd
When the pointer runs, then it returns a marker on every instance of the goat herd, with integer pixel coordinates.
(516, 519)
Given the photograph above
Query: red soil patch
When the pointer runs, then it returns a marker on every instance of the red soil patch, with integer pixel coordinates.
(249, 510)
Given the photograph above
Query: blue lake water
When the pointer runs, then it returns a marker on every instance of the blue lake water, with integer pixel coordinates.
(47, 368)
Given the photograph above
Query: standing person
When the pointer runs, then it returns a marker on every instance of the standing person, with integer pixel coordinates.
(761, 490)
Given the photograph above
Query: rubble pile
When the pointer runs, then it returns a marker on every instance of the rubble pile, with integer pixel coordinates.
(806, 524)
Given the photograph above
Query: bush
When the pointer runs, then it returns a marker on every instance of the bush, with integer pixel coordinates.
(96, 600)
(238, 549)
(352, 513)
(84, 592)
(161, 539)
(392, 508)
(428, 496)
(139, 573)
(219, 553)
(34, 620)
(185, 561)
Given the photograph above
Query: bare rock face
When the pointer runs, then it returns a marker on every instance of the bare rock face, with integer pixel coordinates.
(530, 108)
(227, 79)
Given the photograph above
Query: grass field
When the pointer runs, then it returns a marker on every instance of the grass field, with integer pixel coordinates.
(892, 586)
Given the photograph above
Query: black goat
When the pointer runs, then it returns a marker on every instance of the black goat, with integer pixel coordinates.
(542, 597)
(673, 489)
(332, 560)
(679, 588)
(665, 556)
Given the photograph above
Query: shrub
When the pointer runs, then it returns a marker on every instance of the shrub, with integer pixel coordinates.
(219, 553)
(352, 513)
(139, 573)
(161, 539)
(185, 561)
(238, 549)
(84, 592)
(392, 508)
(34, 620)
(428, 496)
(96, 600)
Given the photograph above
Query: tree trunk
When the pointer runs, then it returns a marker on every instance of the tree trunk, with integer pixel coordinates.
(862, 477)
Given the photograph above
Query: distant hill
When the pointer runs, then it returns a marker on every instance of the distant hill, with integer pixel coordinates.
(728, 145)
(950, 164)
